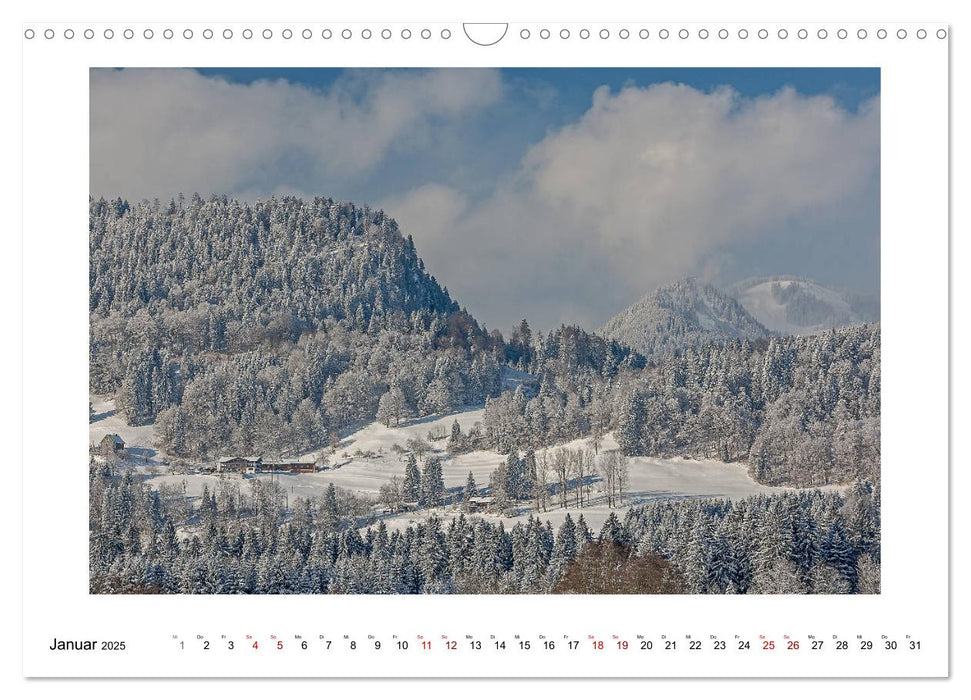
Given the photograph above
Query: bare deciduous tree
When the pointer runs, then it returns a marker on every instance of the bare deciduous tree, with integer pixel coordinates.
(614, 474)
(418, 446)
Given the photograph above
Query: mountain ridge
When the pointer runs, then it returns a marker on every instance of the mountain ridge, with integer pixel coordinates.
(793, 305)
(687, 312)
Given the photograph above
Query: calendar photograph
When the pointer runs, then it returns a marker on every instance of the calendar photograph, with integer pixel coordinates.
(484, 331)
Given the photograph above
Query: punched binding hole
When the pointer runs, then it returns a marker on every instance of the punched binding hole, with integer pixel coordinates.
(488, 33)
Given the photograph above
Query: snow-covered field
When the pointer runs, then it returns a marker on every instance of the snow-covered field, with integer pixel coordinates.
(651, 478)
(139, 439)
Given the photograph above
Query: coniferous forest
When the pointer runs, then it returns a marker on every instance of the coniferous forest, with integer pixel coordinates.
(812, 542)
(276, 328)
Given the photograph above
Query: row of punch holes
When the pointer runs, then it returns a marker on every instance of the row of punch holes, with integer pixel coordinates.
(475, 35)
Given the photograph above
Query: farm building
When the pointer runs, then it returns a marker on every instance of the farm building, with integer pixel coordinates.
(112, 446)
(292, 466)
(252, 465)
(246, 465)
(479, 503)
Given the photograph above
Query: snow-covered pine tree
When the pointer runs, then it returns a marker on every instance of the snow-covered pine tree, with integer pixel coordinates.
(499, 489)
(630, 424)
(432, 492)
(471, 491)
(411, 486)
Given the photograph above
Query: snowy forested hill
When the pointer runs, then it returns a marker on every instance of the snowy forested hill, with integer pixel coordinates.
(276, 327)
(269, 326)
(283, 262)
(798, 306)
(685, 313)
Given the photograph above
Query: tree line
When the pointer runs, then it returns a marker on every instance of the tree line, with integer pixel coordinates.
(809, 542)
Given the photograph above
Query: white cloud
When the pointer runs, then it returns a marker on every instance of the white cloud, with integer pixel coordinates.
(644, 189)
(156, 132)
(435, 209)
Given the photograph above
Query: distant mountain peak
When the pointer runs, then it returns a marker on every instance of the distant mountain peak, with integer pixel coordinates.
(687, 312)
(793, 305)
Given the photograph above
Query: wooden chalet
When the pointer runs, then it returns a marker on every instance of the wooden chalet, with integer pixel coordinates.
(112, 446)
(477, 504)
(243, 465)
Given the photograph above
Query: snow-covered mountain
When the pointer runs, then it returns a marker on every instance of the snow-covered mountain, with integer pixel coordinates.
(684, 313)
(799, 306)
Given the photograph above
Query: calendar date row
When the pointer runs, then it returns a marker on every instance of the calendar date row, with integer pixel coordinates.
(420, 643)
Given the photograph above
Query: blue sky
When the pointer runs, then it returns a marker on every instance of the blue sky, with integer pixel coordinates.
(562, 195)
(575, 85)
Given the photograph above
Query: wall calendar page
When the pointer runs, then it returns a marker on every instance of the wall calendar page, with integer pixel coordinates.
(431, 348)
